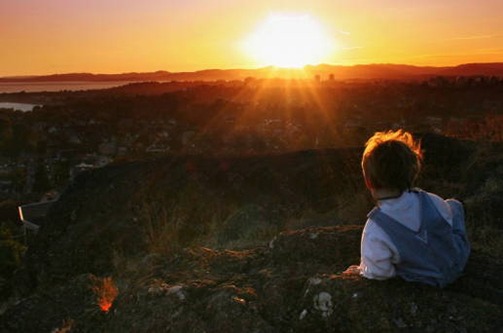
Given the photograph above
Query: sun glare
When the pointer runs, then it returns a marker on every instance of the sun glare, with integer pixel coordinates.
(289, 41)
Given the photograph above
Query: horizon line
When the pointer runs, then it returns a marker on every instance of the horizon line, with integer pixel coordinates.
(271, 67)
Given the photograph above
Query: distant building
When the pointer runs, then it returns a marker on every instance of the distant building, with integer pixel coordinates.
(108, 148)
(32, 215)
(157, 148)
(79, 168)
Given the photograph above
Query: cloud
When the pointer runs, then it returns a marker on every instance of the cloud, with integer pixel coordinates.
(460, 55)
(343, 32)
(352, 48)
(476, 37)
(491, 50)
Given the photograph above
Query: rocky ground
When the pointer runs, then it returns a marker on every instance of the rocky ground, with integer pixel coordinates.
(255, 244)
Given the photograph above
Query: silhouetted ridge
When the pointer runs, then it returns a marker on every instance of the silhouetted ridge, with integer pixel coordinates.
(370, 71)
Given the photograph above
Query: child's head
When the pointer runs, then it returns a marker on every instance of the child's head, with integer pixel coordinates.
(391, 160)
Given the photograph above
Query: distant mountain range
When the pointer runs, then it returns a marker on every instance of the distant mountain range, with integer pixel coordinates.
(373, 71)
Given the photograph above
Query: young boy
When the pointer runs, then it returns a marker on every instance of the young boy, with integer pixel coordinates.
(411, 233)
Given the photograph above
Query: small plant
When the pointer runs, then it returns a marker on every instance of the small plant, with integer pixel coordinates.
(106, 291)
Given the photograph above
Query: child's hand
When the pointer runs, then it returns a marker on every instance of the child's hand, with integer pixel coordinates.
(352, 270)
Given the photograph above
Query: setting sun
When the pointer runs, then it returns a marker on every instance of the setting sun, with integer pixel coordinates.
(289, 41)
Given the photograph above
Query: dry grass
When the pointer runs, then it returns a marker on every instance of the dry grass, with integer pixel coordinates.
(197, 214)
(192, 215)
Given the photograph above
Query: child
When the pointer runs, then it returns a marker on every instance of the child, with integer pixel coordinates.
(411, 233)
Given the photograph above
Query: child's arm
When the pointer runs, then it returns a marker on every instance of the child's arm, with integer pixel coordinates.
(378, 254)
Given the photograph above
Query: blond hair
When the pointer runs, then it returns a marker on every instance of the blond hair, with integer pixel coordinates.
(392, 160)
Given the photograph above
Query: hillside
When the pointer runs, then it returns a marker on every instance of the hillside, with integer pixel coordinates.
(370, 71)
(250, 244)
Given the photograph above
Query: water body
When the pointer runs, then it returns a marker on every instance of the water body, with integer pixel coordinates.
(18, 106)
(12, 87)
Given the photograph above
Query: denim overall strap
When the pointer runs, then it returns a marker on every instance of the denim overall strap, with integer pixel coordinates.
(429, 255)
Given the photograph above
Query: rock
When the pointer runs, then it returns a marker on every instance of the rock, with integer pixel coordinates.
(69, 305)
(352, 304)
(333, 246)
(262, 290)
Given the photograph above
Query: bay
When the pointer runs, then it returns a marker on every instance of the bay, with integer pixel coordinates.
(13, 87)
(25, 107)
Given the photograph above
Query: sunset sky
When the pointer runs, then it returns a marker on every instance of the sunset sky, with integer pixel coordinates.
(114, 36)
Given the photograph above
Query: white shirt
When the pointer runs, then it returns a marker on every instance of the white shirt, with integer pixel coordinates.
(378, 253)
